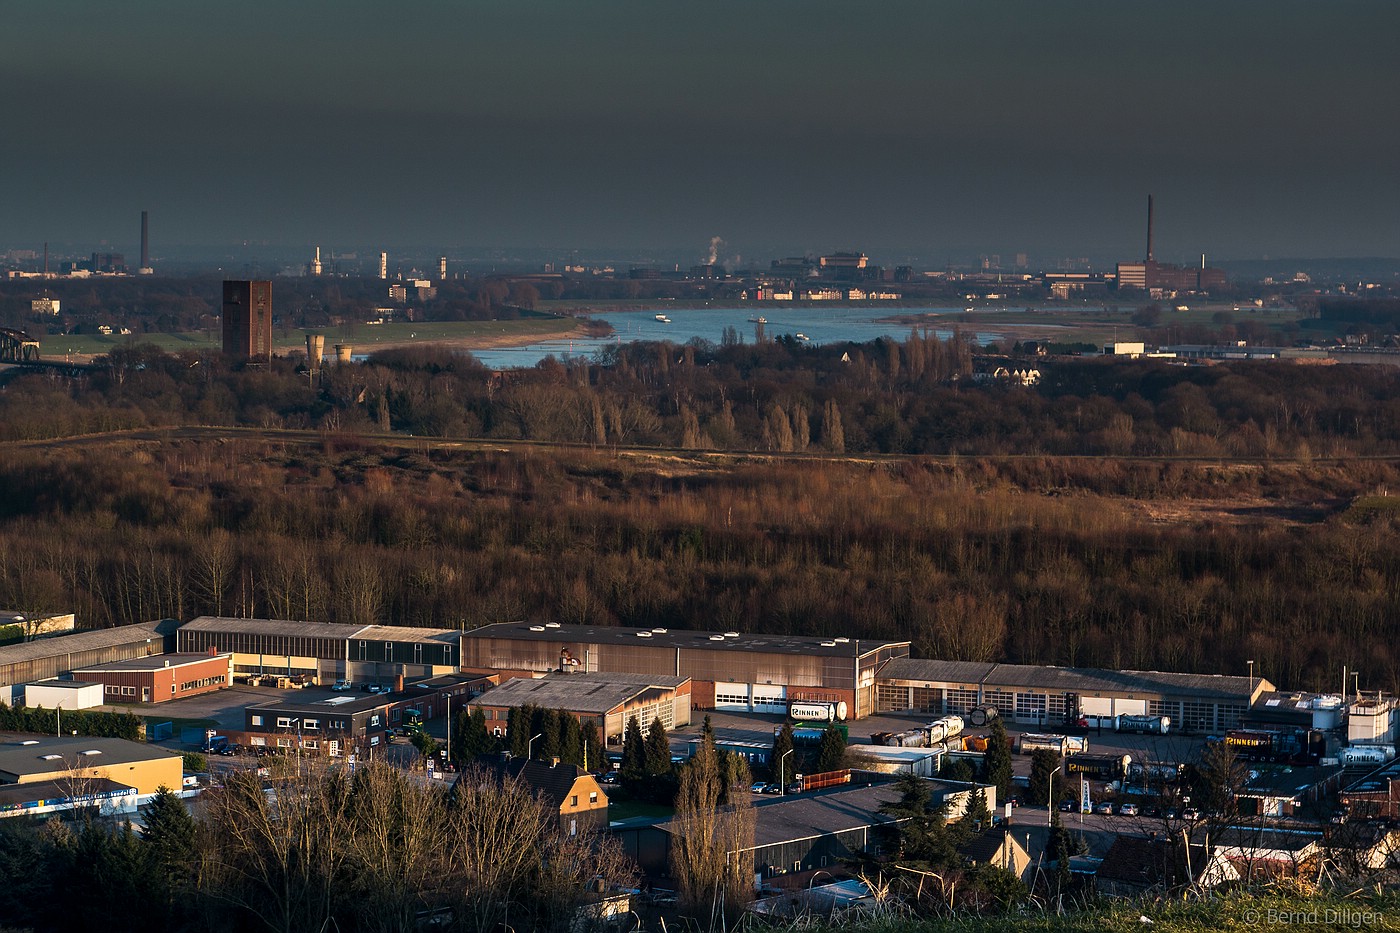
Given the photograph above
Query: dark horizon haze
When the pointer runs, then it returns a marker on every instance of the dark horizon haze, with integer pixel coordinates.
(928, 129)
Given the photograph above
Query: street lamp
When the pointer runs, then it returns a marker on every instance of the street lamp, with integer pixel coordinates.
(782, 771)
(1050, 796)
(530, 747)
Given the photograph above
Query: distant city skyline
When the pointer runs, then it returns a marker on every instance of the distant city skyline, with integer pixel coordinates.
(927, 129)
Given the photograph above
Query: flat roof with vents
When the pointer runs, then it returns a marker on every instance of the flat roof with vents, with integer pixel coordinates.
(839, 646)
(23, 755)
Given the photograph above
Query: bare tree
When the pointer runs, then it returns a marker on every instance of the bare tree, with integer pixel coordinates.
(711, 844)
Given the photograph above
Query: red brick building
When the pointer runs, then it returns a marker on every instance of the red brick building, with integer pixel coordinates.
(160, 677)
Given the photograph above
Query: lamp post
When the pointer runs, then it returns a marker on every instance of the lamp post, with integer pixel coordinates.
(449, 727)
(1251, 680)
(530, 747)
(782, 771)
(1050, 796)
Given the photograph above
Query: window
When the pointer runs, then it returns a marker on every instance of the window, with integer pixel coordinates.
(592, 796)
(311, 724)
(284, 743)
(256, 719)
(172, 688)
(310, 743)
(114, 688)
(257, 740)
(128, 691)
(284, 722)
(573, 801)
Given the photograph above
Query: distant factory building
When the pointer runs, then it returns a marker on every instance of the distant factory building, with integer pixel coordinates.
(325, 651)
(26, 758)
(247, 319)
(1039, 695)
(45, 658)
(731, 671)
(1163, 278)
(609, 701)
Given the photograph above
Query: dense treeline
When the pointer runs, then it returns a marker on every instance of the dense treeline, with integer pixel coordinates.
(82, 722)
(316, 849)
(1082, 561)
(916, 396)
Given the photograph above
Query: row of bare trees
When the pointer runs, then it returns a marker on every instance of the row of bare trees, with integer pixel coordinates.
(314, 848)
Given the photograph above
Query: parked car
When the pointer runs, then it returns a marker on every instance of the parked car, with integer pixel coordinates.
(1170, 813)
(1068, 806)
(1128, 809)
(610, 777)
(1104, 809)
(1153, 812)
(773, 789)
(759, 787)
(1191, 814)
(341, 685)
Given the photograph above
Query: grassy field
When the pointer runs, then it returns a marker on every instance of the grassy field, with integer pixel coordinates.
(363, 337)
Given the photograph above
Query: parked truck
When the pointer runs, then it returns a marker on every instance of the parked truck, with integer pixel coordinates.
(925, 736)
(806, 782)
(1030, 742)
(1147, 725)
(817, 711)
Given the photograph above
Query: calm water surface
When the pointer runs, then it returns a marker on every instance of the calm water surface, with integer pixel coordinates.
(820, 325)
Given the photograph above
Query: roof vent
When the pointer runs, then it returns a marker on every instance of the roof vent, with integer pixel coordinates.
(30, 742)
(551, 625)
(93, 751)
(731, 634)
(842, 640)
(659, 631)
(644, 634)
(50, 757)
(537, 628)
(716, 638)
(828, 644)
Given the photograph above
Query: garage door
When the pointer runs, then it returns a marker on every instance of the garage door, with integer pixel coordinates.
(769, 699)
(732, 698)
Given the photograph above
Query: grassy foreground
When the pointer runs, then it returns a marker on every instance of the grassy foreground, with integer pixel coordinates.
(1368, 909)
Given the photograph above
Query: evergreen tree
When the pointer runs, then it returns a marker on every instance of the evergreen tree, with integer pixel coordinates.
(832, 753)
(170, 845)
(1059, 848)
(518, 731)
(707, 729)
(634, 755)
(570, 739)
(547, 745)
(470, 740)
(997, 766)
(975, 820)
(780, 761)
(1043, 765)
(594, 758)
(658, 750)
(922, 835)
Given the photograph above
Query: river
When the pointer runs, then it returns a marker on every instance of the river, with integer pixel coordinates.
(819, 324)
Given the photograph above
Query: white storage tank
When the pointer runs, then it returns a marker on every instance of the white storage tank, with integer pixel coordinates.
(1371, 722)
(1327, 712)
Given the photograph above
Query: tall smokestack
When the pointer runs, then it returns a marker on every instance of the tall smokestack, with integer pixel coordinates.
(145, 244)
(1149, 228)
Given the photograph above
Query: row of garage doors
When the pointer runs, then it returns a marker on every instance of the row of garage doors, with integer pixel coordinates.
(750, 698)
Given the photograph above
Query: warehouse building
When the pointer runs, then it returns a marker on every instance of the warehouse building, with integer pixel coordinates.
(808, 831)
(609, 701)
(45, 658)
(1036, 695)
(323, 652)
(309, 650)
(335, 727)
(77, 761)
(160, 678)
(729, 671)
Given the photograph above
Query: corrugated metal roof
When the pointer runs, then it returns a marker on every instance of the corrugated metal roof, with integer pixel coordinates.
(1070, 679)
(59, 645)
(20, 760)
(274, 627)
(585, 693)
(408, 634)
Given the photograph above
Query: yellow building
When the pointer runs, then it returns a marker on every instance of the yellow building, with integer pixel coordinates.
(26, 758)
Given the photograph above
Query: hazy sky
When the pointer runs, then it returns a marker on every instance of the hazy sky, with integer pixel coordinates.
(925, 128)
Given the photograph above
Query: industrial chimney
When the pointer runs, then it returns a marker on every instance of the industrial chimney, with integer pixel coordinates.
(145, 245)
(1149, 228)
(316, 263)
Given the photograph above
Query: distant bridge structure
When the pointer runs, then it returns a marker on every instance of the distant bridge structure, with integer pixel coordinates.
(17, 347)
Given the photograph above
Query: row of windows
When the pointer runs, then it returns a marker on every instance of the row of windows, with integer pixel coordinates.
(117, 690)
(203, 682)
